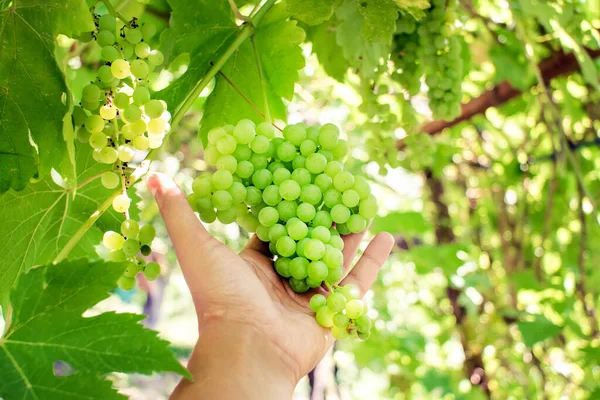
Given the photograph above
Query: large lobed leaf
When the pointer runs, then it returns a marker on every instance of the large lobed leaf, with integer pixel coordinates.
(326, 48)
(203, 29)
(278, 44)
(363, 56)
(32, 86)
(312, 12)
(47, 327)
(38, 221)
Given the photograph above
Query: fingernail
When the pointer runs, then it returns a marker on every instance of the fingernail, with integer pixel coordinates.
(153, 184)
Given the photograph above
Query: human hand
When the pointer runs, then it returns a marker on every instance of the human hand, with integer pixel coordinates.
(257, 336)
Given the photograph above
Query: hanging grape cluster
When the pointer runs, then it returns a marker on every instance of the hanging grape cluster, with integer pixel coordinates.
(291, 190)
(117, 116)
(441, 57)
(429, 47)
(381, 146)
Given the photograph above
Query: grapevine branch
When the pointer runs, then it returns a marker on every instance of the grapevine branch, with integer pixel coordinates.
(473, 366)
(558, 64)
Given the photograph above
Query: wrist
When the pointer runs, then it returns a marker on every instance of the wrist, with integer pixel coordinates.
(236, 361)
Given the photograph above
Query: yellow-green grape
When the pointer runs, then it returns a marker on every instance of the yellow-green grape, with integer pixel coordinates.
(131, 247)
(121, 100)
(121, 203)
(112, 240)
(117, 256)
(141, 142)
(156, 57)
(139, 69)
(355, 308)
(138, 127)
(156, 126)
(142, 50)
(317, 301)
(132, 270)
(109, 155)
(108, 112)
(110, 54)
(132, 113)
(98, 140)
(141, 95)
(128, 133)
(120, 68)
(91, 93)
(148, 30)
(154, 108)
(325, 317)
(152, 271)
(126, 282)
(110, 180)
(125, 153)
(133, 36)
(94, 123)
(339, 333)
(130, 228)
(107, 23)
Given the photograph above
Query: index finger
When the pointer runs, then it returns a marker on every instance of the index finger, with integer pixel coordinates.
(188, 235)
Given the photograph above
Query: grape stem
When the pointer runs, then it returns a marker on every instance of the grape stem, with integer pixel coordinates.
(84, 228)
(113, 12)
(329, 286)
(135, 175)
(245, 32)
(90, 179)
(237, 12)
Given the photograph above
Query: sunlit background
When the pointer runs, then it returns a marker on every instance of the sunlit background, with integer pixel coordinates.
(494, 274)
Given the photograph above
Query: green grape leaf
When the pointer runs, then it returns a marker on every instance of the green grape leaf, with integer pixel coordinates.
(278, 46)
(552, 20)
(48, 326)
(32, 86)
(406, 223)
(202, 29)
(537, 330)
(38, 221)
(312, 12)
(362, 55)
(379, 20)
(324, 45)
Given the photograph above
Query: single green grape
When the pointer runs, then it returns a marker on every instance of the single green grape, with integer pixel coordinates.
(286, 246)
(282, 266)
(325, 317)
(126, 282)
(336, 302)
(152, 270)
(299, 267)
(317, 301)
(146, 234)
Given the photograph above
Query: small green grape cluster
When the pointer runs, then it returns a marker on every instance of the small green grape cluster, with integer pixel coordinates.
(408, 66)
(343, 311)
(441, 57)
(381, 145)
(125, 246)
(116, 115)
(290, 190)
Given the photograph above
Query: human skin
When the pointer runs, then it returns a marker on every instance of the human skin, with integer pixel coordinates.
(257, 337)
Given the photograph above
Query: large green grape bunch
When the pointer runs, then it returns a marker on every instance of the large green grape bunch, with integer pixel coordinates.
(294, 193)
(118, 117)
